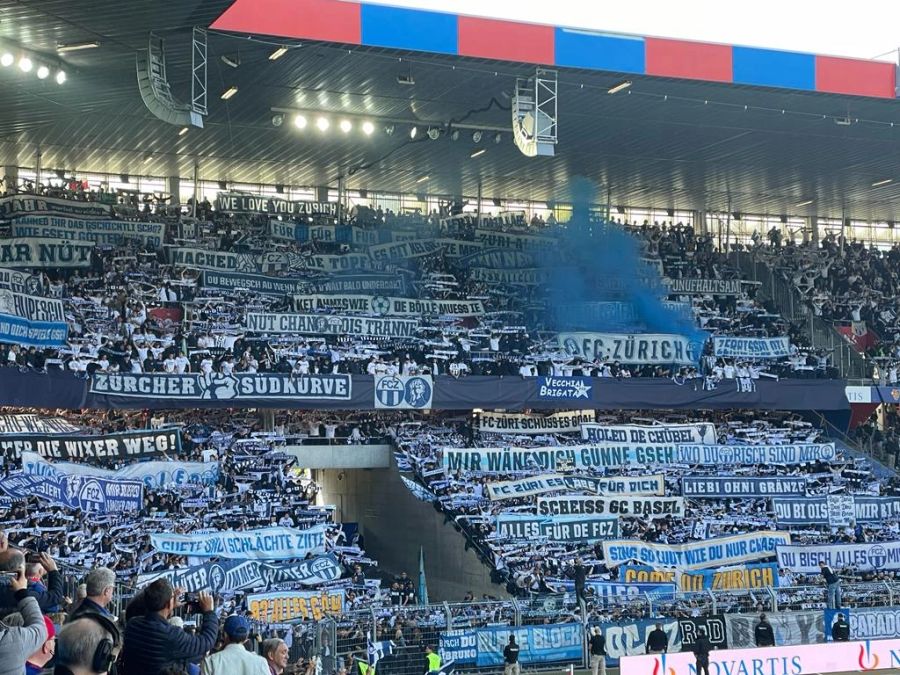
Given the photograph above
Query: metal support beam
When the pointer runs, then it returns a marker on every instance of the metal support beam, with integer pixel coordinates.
(534, 114)
(198, 71)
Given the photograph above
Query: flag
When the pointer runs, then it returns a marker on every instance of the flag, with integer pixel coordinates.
(447, 669)
(423, 584)
(377, 650)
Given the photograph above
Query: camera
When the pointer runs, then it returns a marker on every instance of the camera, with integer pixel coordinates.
(191, 602)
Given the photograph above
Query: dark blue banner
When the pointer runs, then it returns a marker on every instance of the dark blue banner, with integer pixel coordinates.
(565, 388)
(97, 495)
(724, 487)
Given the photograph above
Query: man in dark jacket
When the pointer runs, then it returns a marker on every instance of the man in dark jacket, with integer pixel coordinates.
(657, 641)
(702, 648)
(47, 597)
(840, 629)
(598, 652)
(511, 658)
(763, 633)
(151, 642)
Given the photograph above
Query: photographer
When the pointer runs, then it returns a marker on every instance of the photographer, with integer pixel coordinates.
(151, 642)
(48, 597)
(19, 642)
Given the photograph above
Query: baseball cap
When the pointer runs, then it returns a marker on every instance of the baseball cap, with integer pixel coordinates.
(51, 629)
(237, 627)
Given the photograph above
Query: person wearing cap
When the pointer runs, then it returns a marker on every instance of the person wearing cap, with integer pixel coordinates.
(17, 642)
(702, 648)
(840, 629)
(598, 652)
(234, 659)
(36, 663)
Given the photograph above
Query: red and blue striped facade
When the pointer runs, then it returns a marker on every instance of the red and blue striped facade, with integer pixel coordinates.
(437, 32)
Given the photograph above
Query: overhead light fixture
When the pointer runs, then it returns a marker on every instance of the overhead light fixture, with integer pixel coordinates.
(413, 132)
(183, 131)
(476, 137)
(76, 46)
(368, 128)
(231, 61)
(278, 53)
(61, 77)
(478, 153)
(616, 88)
(806, 203)
(300, 121)
(422, 179)
(498, 137)
(434, 133)
(389, 130)
(7, 59)
(277, 120)
(25, 64)
(43, 72)
(346, 126)
(228, 93)
(322, 124)
(148, 157)
(407, 80)
(454, 135)
(879, 183)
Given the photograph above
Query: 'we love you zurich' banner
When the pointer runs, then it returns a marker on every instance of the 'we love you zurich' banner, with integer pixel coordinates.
(270, 543)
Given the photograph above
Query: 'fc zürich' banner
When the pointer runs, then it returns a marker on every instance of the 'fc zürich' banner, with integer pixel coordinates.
(21, 282)
(243, 386)
(126, 445)
(509, 423)
(320, 324)
(727, 487)
(403, 392)
(641, 349)
(31, 321)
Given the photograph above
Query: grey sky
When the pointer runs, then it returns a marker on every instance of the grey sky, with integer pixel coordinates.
(862, 28)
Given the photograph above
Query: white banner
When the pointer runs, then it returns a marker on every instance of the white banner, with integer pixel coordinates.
(387, 306)
(791, 628)
(154, 474)
(21, 282)
(662, 434)
(749, 455)
(36, 253)
(97, 231)
(752, 348)
(511, 423)
(518, 242)
(511, 277)
(624, 485)
(16, 205)
(270, 543)
(637, 507)
(394, 252)
(805, 559)
(558, 458)
(321, 324)
(695, 555)
(642, 349)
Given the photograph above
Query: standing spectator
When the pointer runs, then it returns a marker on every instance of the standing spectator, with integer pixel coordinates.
(432, 660)
(598, 652)
(17, 643)
(832, 586)
(275, 652)
(702, 648)
(99, 585)
(581, 574)
(657, 641)
(763, 633)
(49, 596)
(37, 661)
(840, 629)
(151, 642)
(84, 647)
(511, 658)
(234, 659)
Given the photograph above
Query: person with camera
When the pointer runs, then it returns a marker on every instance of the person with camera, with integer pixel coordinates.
(13, 559)
(17, 643)
(151, 642)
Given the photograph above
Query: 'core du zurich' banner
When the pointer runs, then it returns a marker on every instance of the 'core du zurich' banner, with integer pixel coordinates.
(752, 348)
(125, 445)
(216, 387)
(726, 487)
(320, 324)
(749, 455)
(270, 543)
(695, 555)
(662, 434)
(640, 349)
(31, 321)
(864, 557)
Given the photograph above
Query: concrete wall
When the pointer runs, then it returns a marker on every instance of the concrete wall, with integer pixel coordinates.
(395, 524)
(341, 456)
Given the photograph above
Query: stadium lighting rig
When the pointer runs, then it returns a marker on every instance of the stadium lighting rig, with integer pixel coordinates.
(30, 64)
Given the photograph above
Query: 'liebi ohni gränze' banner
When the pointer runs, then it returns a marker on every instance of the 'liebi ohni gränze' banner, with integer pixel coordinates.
(32, 321)
(639, 349)
(726, 487)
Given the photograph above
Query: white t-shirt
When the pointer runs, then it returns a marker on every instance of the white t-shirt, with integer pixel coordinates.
(227, 367)
(181, 364)
(206, 366)
(169, 365)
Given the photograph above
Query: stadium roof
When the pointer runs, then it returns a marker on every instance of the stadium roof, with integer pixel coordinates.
(668, 141)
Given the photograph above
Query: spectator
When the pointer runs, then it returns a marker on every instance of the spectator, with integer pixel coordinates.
(100, 584)
(151, 642)
(832, 586)
(702, 648)
(511, 658)
(598, 652)
(657, 641)
(763, 633)
(234, 659)
(432, 660)
(36, 663)
(84, 647)
(17, 643)
(47, 597)
(275, 652)
(840, 629)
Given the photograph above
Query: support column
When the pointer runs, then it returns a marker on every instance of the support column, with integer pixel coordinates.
(268, 420)
(173, 187)
(322, 193)
(10, 178)
(814, 229)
